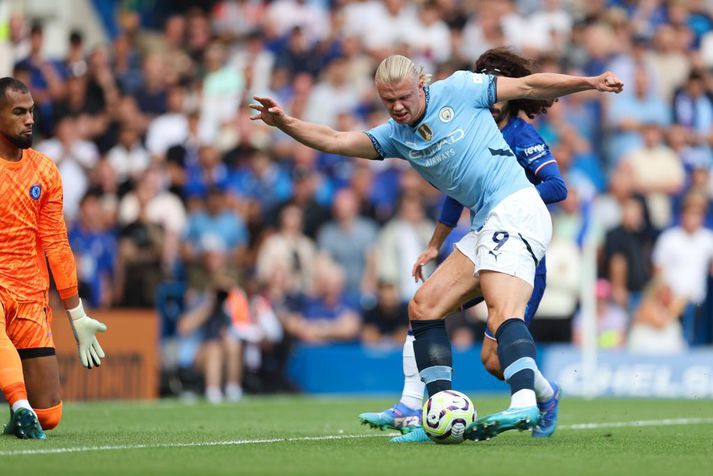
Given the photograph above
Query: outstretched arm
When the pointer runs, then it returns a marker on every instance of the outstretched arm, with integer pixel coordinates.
(53, 238)
(552, 85)
(317, 136)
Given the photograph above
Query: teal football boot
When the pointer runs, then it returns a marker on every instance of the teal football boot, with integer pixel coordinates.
(525, 418)
(417, 435)
(24, 425)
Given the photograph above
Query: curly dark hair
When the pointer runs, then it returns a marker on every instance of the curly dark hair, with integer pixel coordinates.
(505, 62)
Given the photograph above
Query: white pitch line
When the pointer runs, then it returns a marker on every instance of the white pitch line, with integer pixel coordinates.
(82, 449)
(578, 426)
(627, 424)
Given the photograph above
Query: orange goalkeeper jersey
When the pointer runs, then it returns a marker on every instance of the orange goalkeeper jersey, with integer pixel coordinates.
(32, 227)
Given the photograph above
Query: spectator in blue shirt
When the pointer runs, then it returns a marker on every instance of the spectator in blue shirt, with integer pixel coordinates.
(325, 315)
(94, 247)
(215, 225)
(629, 113)
(264, 181)
(693, 107)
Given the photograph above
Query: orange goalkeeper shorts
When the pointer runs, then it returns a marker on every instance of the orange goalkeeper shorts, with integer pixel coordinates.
(28, 325)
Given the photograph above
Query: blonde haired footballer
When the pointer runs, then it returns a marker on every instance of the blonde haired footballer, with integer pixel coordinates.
(447, 134)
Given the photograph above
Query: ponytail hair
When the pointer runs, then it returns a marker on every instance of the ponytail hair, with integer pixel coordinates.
(395, 68)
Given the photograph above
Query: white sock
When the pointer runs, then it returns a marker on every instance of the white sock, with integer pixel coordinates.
(233, 392)
(213, 395)
(412, 394)
(21, 404)
(543, 389)
(523, 398)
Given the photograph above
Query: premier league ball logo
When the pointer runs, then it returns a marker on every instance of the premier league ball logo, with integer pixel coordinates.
(35, 191)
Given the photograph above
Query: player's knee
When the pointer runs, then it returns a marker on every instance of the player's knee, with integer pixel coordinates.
(416, 311)
(48, 398)
(49, 417)
(420, 307)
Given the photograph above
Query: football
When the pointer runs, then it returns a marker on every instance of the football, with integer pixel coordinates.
(446, 415)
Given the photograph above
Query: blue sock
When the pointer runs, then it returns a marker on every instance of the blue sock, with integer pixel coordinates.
(516, 350)
(432, 348)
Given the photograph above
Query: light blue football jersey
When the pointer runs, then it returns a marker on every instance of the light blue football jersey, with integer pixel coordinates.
(457, 145)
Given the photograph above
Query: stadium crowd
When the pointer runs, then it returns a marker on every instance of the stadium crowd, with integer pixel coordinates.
(246, 241)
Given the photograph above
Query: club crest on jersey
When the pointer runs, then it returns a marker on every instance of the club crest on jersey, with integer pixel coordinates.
(425, 132)
(35, 191)
(446, 114)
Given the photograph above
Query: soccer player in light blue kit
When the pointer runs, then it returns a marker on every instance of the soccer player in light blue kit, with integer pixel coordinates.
(541, 169)
(448, 135)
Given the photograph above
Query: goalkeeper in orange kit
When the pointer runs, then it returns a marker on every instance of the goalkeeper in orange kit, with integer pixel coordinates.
(32, 234)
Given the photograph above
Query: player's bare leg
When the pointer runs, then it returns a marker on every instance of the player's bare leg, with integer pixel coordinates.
(233, 368)
(489, 357)
(42, 381)
(405, 416)
(506, 297)
(213, 370)
(43, 388)
(452, 284)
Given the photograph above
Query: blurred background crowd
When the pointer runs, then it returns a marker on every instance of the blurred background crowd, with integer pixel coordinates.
(247, 242)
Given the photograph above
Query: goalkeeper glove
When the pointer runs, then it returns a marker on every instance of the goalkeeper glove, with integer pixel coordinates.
(85, 329)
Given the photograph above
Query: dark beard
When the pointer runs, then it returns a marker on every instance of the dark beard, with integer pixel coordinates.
(20, 141)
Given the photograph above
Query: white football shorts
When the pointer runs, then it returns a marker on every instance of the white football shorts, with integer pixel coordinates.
(514, 237)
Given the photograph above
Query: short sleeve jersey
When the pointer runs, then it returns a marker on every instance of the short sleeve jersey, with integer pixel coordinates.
(457, 145)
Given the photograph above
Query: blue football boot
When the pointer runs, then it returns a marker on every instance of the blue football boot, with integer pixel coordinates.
(524, 418)
(548, 414)
(399, 417)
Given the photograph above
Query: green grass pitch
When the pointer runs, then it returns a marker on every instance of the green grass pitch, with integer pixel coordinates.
(300, 435)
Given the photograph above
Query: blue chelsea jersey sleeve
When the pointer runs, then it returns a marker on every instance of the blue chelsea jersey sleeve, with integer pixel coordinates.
(534, 155)
(531, 150)
(380, 137)
(479, 88)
